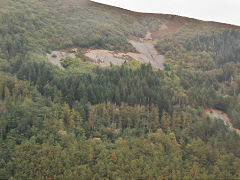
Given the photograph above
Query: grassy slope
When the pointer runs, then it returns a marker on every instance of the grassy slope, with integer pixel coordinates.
(62, 24)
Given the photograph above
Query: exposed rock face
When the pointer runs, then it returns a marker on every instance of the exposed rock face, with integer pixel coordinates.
(56, 56)
(214, 113)
(146, 54)
(106, 58)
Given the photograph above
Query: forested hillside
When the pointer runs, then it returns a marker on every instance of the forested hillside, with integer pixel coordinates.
(120, 122)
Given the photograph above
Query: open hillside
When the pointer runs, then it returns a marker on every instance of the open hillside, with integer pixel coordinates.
(90, 91)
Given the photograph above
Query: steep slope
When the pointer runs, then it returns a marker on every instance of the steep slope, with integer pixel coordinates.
(132, 121)
(62, 24)
(213, 113)
(146, 53)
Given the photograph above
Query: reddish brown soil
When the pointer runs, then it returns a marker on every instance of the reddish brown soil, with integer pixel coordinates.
(134, 38)
(172, 27)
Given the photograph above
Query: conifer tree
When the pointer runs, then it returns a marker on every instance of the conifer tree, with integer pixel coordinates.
(154, 113)
(165, 122)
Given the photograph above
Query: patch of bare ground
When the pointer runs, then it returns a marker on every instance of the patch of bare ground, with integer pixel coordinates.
(214, 113)
(56, 56)
(168, 27)
(146, 53)
(105, 58)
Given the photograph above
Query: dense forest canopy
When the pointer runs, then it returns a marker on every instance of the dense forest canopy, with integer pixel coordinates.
(120, 122)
